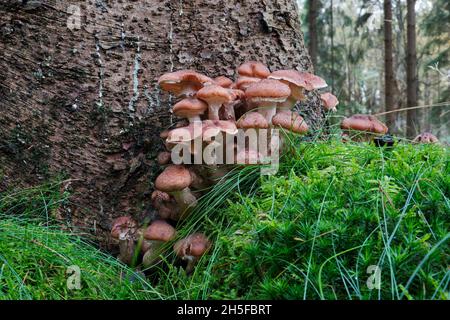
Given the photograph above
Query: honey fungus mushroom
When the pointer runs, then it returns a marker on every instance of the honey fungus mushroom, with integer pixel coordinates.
(329, 101)
(123, 229)
(215, 96)
(362, 127)
(190, 108)
(254, 69)
(183, 82)
(266, 95)
(156, 234)
(298, 82)
(191, 249)
(426, 137)
(176, 180)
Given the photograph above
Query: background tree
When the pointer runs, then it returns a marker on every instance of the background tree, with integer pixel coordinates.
(389, 78)
(78, 92)
(313, 7)
(412, 121)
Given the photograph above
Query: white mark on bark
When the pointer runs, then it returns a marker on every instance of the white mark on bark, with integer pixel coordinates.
(152, 98)
(101, 72)
(181, 8)
(135, 97)
(122, 36)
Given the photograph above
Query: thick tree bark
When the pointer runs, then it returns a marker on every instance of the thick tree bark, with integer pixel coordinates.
(312, 29)
(389, 79)
(84, 102)
(412, 122)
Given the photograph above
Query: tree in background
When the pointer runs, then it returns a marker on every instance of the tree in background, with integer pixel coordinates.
(389, 79)
(313, 7)
(412, 121)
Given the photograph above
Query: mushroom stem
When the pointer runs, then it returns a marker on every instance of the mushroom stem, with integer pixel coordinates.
(213, 111)
(270, 112)
(194, 119)
(191, 262)
(185, 199)
(229, 111)
(126, 249)
(151, 256)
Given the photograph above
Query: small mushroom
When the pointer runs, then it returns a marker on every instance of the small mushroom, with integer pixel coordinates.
(163, 158)
(243, 82)
(183, 82)
(157, 233)
(267, 94)
(223, 81)
(215, 96)
(426, 137)
(165, 204)
(329, 101)
(254, 69)
(290, 121)
(190, 108)
(363, 125)
(227, 112)
(191, 249)
(176, 180)
(124, 229)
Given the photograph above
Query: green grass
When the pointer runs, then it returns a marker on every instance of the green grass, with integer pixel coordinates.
(35, 254)
(313, 230)
(309, 232)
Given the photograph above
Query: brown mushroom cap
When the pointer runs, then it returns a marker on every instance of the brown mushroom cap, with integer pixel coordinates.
(194, 245)
(329, 101)
(312, 81)
(123, 225)
(253, 69)
(215, 94)
(252, 120)
(179, 81)
(164, 158)
(223, 81)
(160, 230)
(173, 178)
(244, 82)
(362, 122)
(185, 134)
(189, 107)
(290, 121)
(267, 91)
(165, 204)
(426, 137)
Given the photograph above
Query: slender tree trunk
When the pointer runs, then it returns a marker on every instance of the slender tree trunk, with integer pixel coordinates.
(78, 92)
(312, 28)
(389, 80)
(412, 123)
(332, 43)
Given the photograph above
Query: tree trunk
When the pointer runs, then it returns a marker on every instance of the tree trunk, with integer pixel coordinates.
(79, 97)
(389, 80)
(312, 29)
(412, 123)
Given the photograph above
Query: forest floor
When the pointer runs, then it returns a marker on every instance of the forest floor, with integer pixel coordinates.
(338, 221)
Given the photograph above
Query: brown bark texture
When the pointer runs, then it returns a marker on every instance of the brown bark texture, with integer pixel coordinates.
(412, 82)
(83, 102)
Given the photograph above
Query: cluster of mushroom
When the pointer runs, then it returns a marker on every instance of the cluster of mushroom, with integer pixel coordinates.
(213, 107)
(209, 108)
(148, 243)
